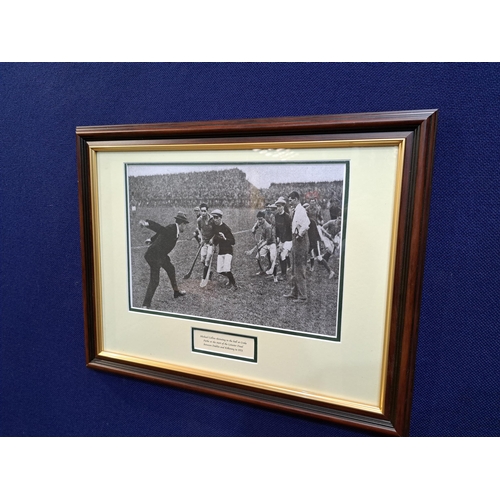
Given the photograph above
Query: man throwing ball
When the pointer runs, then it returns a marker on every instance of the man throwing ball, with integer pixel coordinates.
(162, 243)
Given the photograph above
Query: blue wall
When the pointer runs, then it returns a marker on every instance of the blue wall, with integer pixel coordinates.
(46, 390)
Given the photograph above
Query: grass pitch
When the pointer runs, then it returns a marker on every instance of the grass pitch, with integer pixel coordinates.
(258, 301)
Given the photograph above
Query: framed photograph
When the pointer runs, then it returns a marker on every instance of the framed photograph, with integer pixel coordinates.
(275, 261)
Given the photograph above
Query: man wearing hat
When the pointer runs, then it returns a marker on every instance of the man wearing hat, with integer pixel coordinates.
(206, 232)
(162, 243)
(266, 247)
(270, 213)
(223, 237)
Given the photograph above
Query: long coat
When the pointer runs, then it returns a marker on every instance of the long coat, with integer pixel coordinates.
(162, 243)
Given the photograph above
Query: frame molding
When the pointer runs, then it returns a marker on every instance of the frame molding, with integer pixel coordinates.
(417, 128)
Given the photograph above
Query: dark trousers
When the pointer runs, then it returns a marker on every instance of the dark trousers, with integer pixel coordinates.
(154, 277)
(300, 249)
(230, 277)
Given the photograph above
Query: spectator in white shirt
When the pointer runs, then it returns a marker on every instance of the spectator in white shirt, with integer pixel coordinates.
(300, 249)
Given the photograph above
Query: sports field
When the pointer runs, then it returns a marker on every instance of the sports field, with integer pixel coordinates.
(258, 300)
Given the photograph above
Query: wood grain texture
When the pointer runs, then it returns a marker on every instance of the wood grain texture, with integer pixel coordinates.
(419, 128)
(359, 122)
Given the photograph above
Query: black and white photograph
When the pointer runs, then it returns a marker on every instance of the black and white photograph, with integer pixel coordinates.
(257, 245)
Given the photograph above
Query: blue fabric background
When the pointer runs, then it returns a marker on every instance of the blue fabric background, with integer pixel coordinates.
(46, 390)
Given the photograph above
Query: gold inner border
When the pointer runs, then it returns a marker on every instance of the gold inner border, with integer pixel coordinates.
(96, 251)
(138, 146)
(127, 146)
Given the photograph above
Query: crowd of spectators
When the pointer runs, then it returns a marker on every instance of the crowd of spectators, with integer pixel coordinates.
(224, 188)
(217, 188)
(326, 193)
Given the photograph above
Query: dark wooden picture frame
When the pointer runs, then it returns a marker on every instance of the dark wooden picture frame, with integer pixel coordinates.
(414, 130)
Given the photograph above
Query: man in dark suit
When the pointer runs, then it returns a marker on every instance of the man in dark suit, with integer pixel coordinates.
(162, 243)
